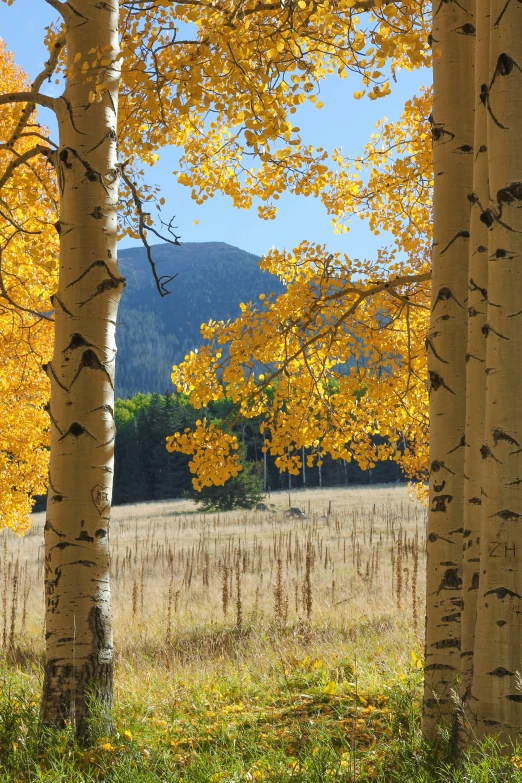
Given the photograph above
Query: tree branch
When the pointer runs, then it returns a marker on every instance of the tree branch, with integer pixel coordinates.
(164, 280)
(358, 8)
(62, 8)
(377, 288)
(26, 135)
(40, 149)
(361, 7)
(5, 294)
(46, 73)
(28, 97)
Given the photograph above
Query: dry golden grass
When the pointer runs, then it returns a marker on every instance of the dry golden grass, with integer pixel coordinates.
(311, 673)
(249, 646)
(196, 593)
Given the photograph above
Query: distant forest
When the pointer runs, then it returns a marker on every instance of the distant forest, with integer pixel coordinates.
(144, 469)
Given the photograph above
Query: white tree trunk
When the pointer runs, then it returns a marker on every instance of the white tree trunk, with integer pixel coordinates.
(498, 636)
(79, 658)
(475, 361)
(452, 131)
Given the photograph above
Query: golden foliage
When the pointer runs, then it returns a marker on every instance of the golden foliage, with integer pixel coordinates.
(222, 81)
(226, 90)
(28, 265)
(336, 364)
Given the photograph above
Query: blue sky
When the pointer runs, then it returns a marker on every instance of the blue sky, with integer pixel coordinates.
(343, 122)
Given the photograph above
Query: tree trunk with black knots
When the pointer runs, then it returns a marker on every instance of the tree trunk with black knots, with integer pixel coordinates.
(453, 39)
(475, 363)
(496, 688)
(79, 648)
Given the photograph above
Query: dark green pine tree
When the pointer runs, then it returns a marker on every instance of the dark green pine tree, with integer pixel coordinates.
(174, 476)
(151, 443)
(241, 491)
(144, 469)
(129, 480)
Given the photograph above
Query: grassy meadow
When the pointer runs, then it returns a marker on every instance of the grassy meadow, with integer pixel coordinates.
(248, 645)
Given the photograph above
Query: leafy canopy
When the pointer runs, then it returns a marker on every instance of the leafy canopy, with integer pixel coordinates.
(28, 255)
(222, 81)
(336, 364)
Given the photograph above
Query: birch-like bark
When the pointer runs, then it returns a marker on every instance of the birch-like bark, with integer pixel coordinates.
(453, 40)
(475, 359)
(498, 636)
(79, 658)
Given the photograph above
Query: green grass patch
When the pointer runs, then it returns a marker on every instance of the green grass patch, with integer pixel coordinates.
(307, 722)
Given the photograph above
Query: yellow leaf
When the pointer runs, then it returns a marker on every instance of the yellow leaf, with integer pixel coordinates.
(330, 688)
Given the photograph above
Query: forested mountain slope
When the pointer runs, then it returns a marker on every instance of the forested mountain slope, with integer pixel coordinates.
(154, 332)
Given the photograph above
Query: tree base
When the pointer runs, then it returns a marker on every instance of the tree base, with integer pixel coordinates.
(79, 695)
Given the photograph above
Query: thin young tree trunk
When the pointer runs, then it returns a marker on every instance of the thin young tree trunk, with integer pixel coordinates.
(452, 130)
(475, 361)
(79, 657)
(498, 636)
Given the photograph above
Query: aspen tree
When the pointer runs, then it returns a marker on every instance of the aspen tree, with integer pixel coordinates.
(453, 38)
(498, 635)
(81, 371)
(475, 360)
(79, 656)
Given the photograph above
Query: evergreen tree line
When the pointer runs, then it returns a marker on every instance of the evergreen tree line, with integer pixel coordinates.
(144, 469)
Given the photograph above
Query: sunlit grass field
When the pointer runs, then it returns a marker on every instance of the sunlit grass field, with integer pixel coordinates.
(249, 646)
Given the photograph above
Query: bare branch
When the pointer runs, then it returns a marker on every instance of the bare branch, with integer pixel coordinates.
(164, 280)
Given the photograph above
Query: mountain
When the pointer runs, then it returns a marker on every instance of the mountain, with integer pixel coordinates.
(156, 332)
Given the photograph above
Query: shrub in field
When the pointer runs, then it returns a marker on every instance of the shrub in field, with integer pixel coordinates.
(242, 491)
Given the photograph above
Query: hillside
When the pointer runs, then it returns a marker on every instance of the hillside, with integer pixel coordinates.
(154, 332)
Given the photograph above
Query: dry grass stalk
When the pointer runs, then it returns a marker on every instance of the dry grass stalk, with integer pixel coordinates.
(142, 584)
(4, 596)
(225, 591)
(14, 605)
(279, 595)
(399, 571)
(414, 581)
(134, 598)
(206, 571)
(24, 606)
(239, 605)
(168, 635)
(307, 586)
